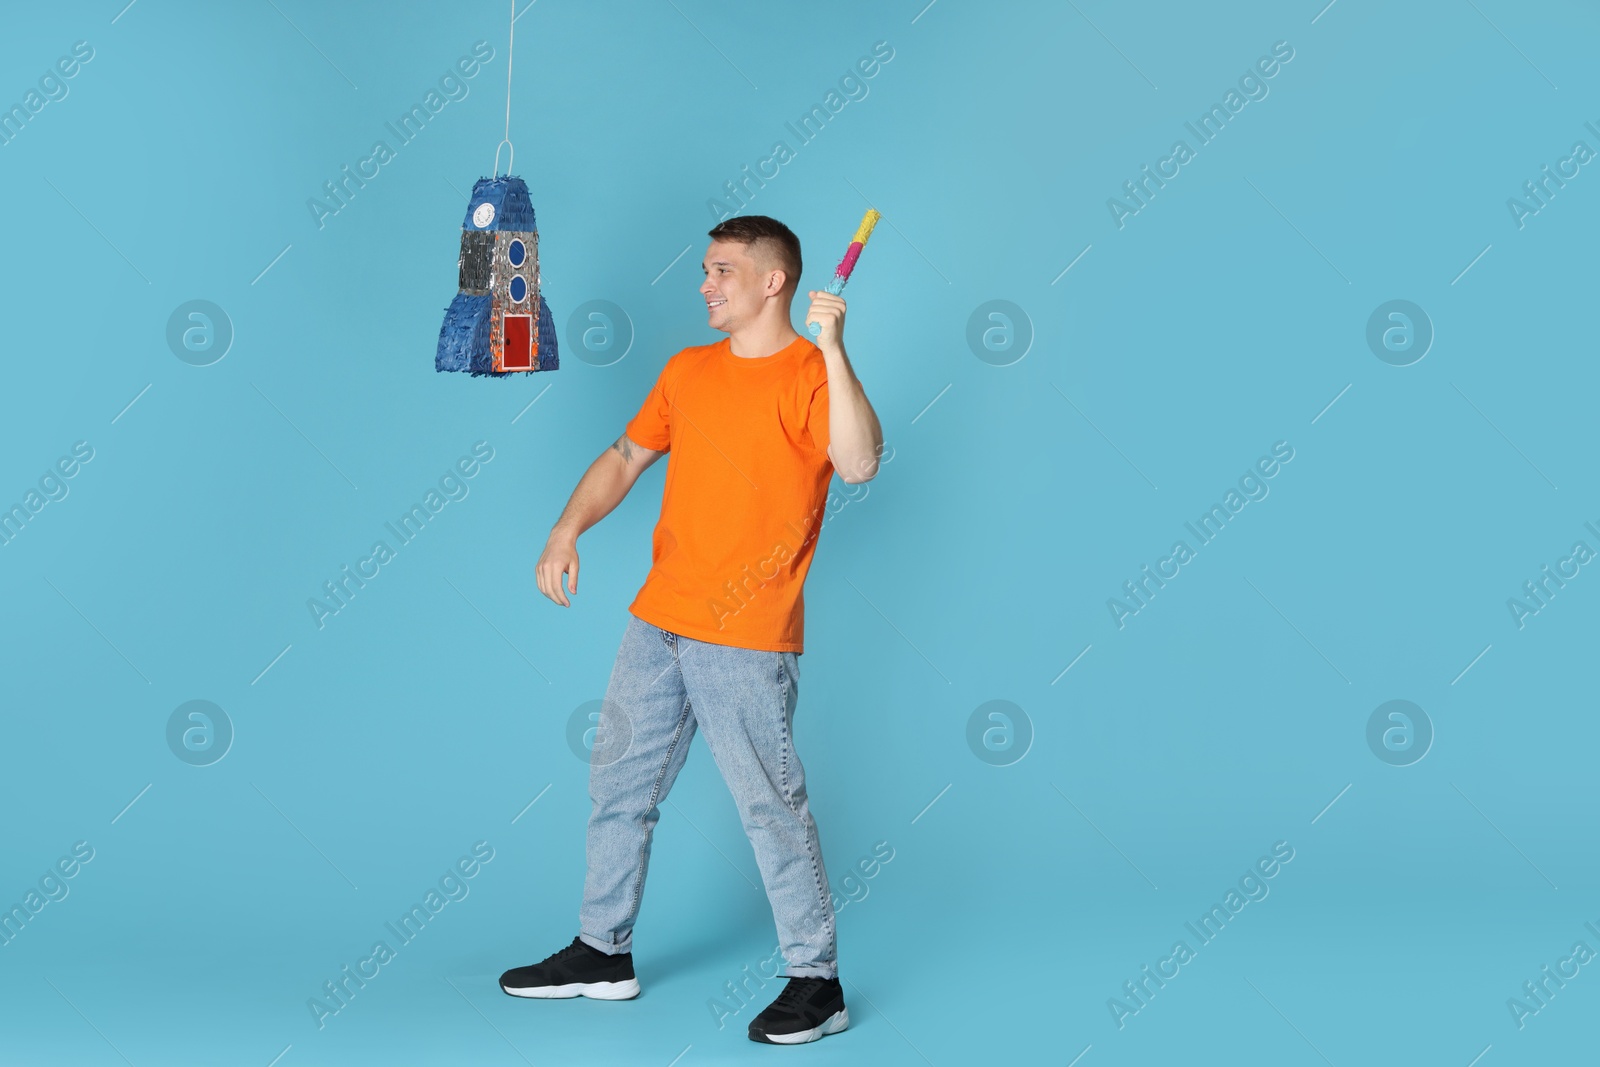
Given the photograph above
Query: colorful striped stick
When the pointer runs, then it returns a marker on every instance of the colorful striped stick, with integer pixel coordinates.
(842, 273)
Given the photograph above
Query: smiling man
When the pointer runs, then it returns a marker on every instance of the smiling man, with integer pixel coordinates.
(757, 424)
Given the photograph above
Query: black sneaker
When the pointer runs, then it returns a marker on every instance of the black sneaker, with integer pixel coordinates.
(577, 970)
(808, 1008)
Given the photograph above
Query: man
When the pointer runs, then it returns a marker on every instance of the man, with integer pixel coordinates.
(757, 424)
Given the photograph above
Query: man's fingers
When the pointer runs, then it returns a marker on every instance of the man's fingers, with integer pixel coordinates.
(548, 575)
(549, 583)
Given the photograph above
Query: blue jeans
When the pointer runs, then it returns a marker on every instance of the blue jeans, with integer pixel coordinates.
(663, 686)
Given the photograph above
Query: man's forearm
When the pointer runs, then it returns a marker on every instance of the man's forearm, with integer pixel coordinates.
(601, 489)
(855, 437)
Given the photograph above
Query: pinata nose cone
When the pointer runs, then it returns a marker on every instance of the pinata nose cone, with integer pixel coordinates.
(500, 204)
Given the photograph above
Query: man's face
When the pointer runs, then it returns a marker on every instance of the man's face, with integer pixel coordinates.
(735, 286)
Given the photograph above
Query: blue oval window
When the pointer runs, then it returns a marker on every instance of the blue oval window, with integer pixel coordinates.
(517, 253)
(519, 289)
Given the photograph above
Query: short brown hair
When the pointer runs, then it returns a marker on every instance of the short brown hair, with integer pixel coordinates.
(773, 237)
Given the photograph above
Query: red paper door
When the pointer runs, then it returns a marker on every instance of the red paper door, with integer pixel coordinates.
(518, 354)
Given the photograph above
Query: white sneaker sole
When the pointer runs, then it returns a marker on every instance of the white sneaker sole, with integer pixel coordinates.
(593, 990)
(831, 1025)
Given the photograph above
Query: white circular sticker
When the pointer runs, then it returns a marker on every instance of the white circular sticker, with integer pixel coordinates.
(482, 215)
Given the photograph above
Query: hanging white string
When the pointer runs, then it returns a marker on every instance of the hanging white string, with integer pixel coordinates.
(510, 50)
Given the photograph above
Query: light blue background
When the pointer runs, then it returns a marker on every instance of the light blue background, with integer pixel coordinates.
(1226, 716)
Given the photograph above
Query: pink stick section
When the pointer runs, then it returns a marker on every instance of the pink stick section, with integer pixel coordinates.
(848, 263)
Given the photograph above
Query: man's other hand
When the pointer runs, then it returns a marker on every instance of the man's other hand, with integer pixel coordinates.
(560, 557)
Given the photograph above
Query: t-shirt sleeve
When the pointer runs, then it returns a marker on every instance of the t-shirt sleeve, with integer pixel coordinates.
(652, 426)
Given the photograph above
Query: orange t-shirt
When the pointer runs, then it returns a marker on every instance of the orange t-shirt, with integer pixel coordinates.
(746, 493)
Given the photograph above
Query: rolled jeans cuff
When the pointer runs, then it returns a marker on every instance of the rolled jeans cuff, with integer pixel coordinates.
(625, 945)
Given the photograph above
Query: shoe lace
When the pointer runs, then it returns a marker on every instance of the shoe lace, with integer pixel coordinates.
(564, 954)
(798, 992)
